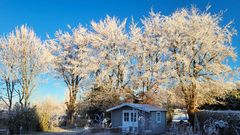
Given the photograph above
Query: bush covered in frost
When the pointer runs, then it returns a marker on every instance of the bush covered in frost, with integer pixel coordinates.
(218, 122)
(23, 120)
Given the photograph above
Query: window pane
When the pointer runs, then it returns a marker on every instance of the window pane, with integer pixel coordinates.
(135, 117)
(131, 116)
(158, 117)
(135, 129)
(126, 116)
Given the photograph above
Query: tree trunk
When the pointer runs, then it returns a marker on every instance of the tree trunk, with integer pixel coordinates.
(190, 100)
(25, 101)
(71, 103)
(26, 98)
(191, 111)
(10, 105)
(191, 103)
(10, 90)
(70, 114)
(20, 99)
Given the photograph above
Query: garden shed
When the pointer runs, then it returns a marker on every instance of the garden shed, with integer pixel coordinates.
(138, 118)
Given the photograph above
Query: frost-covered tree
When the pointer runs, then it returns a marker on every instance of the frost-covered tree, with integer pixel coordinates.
(72, 61)
(97, 100)
(200, 48)
(110, 40)
(29, 59)
(8, 71)
(148, 55)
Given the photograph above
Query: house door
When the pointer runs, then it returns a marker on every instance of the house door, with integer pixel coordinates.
(130, 121)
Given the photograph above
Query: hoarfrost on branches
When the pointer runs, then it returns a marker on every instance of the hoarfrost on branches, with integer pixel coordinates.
(72, 61)
(25, 58)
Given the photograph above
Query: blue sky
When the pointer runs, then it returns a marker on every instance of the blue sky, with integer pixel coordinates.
(47, 16)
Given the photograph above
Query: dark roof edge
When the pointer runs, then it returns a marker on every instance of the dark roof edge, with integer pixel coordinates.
(129, 105)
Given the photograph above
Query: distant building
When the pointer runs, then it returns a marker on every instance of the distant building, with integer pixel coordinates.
(180, 115)
(138, 118)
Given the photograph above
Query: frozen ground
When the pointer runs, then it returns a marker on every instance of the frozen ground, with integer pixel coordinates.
(78, 131)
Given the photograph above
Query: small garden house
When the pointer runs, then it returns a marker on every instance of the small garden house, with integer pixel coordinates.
(138, 118)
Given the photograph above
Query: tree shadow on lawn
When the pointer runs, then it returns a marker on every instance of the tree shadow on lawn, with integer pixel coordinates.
(74, 131)
(60, 131)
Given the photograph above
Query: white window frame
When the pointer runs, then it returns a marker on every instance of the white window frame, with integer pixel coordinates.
(126, 119)
(159, 120)
(131, 123)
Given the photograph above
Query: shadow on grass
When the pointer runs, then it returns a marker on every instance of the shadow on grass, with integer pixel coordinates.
(76, 131)
(60, 131)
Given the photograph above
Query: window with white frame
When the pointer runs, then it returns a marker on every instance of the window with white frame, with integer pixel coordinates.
(158, 117)
(133, 117)
(126, 116)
